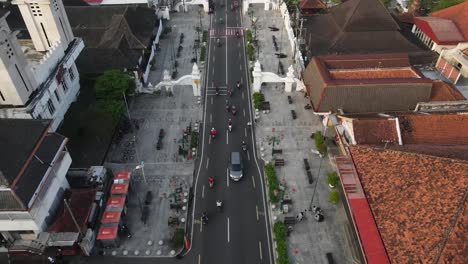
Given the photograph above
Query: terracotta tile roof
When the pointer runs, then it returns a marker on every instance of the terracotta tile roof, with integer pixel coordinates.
(311, 4)
(442, 91)
(436, 128)
(375, 131)
(387, 73)
(465, 51)
(445, 151)
(416, 201)
(457, 14)
(440, 30)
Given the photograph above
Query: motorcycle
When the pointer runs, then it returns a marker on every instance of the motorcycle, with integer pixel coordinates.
(217, 91)
(238, 85)
(229, 92)
(219, 205)
(213, 133)
(218, 42)
(233, 110)
(230, 128)
(204, 218)
(237, 34)
(211, 184)
(244, 147)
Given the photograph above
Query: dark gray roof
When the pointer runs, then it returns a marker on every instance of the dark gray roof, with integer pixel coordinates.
(18, 137)
(38, 166)
(114, 36)
(356, 26)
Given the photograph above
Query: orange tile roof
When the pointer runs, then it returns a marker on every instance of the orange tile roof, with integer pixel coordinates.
(315, 4)
(387, 73)
(436, 128)
(415, 200)
(458, 14)
(465, 51)
(375, 131)
(442, 91)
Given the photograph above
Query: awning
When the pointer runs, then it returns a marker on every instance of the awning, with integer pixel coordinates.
(115, 203)
(119, 189)
(122, 177)
(111, 217)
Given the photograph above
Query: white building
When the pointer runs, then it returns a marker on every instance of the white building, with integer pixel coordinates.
(38, 76)
(32, 180)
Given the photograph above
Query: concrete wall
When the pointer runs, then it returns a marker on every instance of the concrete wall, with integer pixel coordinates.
(153, 51)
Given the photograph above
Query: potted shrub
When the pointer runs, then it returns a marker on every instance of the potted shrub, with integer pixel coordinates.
(332, 179)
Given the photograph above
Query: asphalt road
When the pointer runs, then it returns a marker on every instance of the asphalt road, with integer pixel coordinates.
(240, 233)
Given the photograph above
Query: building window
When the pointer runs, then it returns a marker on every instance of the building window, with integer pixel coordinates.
(1, 96)
(51, 106)
(65, 87)
(57, 95)
(71, 73)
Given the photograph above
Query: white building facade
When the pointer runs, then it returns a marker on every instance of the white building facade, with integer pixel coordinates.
(38, 77)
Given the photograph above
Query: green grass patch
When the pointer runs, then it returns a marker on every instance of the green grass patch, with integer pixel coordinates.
(194, 140)
(205, 36)
(178, 238)
(273, 184)
(248, 36)
(334, 197)
(250, 52)
(202, 53)
(257, 99)
(332, 179)
(279, 232)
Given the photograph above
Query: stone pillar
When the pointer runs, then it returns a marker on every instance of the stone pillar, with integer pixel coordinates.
(289, 80)
(257, 77)
(196, 80)
(267, 5)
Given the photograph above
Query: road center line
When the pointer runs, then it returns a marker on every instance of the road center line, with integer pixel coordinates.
(256, 211)
(203, 192)
(227, 177)
(260, 248)
(214, 59)
(227, 137)
(245, 131)
(211, 116)
(243, 98)
(243, 110)
(228, 236)
(201, 225)
(253, 181)
(211, 100)
(207, 162)
(248, 155)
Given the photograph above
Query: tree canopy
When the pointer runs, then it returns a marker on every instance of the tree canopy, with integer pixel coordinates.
(112, 84)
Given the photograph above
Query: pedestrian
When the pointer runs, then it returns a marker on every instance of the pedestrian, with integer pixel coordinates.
(299, 217)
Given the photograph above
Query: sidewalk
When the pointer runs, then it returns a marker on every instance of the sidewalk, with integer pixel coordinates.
(167, 174)
(309, 241)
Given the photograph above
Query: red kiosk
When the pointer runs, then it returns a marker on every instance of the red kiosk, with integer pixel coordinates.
(108, 235)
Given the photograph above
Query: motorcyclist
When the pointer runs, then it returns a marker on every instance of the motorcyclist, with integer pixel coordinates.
(237, 33)
(244, 145)
(204, 217)
(210, 181)
(217, 42)
(219, 204)
(217, 90)
(229, 125)
(238, 84)
(233, 110)
(213, 132)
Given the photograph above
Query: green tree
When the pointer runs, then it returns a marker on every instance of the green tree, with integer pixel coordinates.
(442, 4)
(112, 84)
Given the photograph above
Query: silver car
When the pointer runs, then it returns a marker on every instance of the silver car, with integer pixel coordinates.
(235, 166)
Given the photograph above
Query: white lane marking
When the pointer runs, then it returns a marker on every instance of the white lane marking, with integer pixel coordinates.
(256, 211)
(212, 73)
(199, 259)
(209, 140)
(242, 79)
(243, 110)
(211, 100)
(260, 248)
(207, 162)
(245, 131)
(214, 59)
(241, 69)
(227, 177)
(201, 225)
(248, 155)
(242, 95)
(253, 181)
(203, 192)
(228, 236)
(211, 116)
(227, 137)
